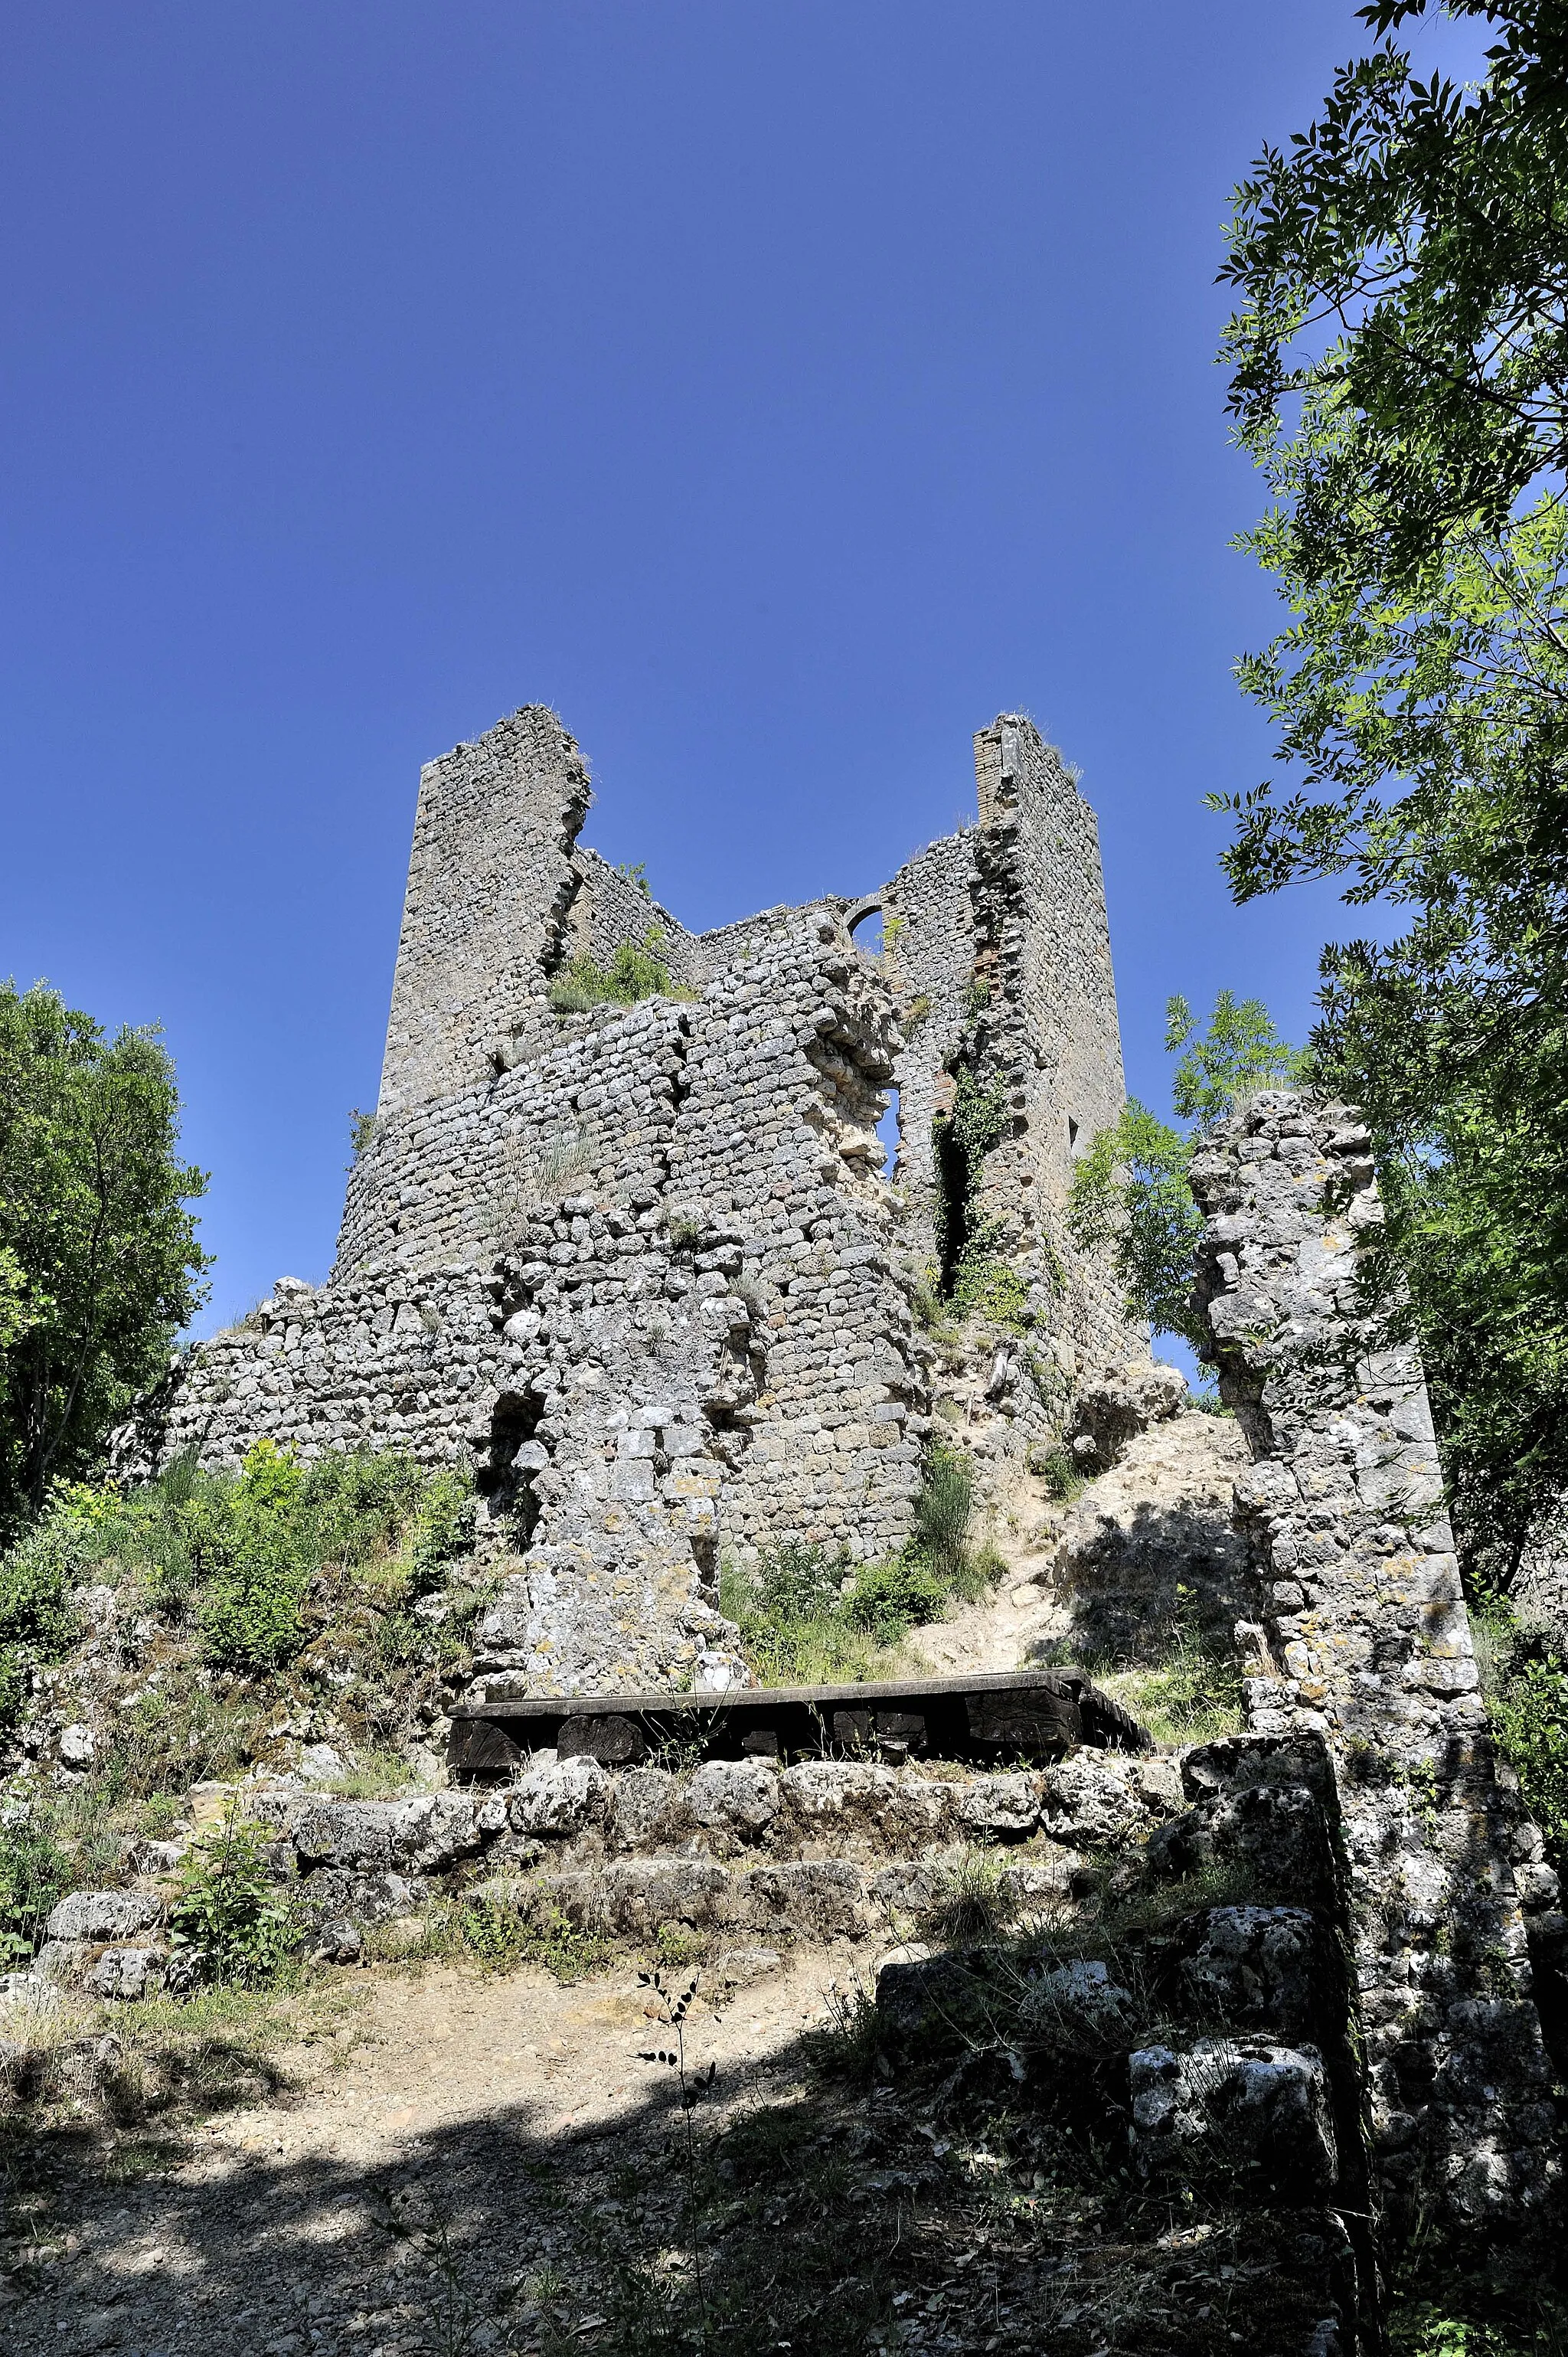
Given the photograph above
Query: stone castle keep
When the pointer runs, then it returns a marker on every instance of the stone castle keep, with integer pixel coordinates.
(642, 1265)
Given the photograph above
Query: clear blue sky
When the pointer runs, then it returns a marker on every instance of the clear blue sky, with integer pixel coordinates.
(779, 388)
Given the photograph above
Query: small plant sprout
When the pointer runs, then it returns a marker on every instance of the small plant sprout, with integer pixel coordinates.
(672, 2011)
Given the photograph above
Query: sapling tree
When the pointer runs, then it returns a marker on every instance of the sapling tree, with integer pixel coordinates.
(671, 2006)
(1130, 1191)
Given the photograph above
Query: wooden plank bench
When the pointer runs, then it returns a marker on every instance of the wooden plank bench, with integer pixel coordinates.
(1003, 1716)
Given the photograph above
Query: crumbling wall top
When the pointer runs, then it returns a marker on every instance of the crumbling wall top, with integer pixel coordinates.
(489, 885)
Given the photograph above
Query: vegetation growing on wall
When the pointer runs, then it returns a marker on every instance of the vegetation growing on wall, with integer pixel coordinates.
(634, 972)
(98, 1262)
(974, 1279)
(257, 1570)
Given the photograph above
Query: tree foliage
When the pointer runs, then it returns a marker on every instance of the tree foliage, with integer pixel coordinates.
(1130, 1192)
(98, 1262)
(1399, 357)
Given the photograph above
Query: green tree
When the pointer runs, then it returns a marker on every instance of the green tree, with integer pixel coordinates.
(1399, 355)
(98, 1262)
(1130, 1191)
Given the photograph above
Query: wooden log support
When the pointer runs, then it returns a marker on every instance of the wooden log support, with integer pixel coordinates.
(1011, 1715)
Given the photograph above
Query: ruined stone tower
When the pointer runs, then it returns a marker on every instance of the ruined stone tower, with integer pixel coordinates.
(643, 1265)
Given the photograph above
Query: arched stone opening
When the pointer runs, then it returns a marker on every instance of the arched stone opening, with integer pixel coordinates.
(863, 925)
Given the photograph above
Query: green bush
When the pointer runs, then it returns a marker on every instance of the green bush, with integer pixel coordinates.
(789, 1613)
(887, 1598)
(1055, 1467)
(263, 1564)
(35, 1872)
(985, 1286)
(634, 972)
(1527, 1694)
(805, 1620)
(37, 1622)
(943, 1510)
(227, 1914)
(251, 1616)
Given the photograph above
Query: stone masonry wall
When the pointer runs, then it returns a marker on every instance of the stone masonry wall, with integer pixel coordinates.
(1050, 1024)
(490, 881)
(640, 1266)
(608, 909)
(1000, 952)
(1365, 1639)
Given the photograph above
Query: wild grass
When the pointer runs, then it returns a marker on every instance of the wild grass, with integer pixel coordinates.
(1190, 1695)
(497, 1937)
(165, 2061)
(636, 971)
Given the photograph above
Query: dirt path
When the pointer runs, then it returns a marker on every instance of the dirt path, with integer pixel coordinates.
(399, 2194)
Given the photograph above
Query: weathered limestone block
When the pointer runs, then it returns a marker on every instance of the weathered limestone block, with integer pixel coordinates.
(1274, 1837)
(414, 1836)
(1079, 2006)
(558, 1797)
(1242, 2107)
(126, 1973)
(740, 1795)
(103, 1915)
(1111, 1407)
(1261, 1967)
(996, 1808)
(1101, 1800)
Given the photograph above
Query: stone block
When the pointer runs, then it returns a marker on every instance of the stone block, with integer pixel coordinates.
(1254, 2113)
(736, 1796)
(103, 1915)
(126, 1974)
(558, 1797)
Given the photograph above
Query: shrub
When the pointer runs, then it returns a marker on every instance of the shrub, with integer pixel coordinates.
(37, 1622)
(1529, 1704)
(1055, 1467)
(790, 1619)
(1189, 1694)
(802, 1624)
(227, 1914)
(798, 1583)
(634, 972)
(942, 1511)
(442, 1530)
(985, 1286)
(887, 1598)
(34, 1873)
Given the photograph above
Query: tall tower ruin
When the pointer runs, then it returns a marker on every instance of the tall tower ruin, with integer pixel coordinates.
(645, 1266)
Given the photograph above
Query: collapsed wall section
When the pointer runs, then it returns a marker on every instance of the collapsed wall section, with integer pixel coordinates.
(609, 910)
(1365, 1640)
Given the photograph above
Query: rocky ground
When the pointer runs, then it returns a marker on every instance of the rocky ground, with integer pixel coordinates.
(1146, 1544)
(410, 2156)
